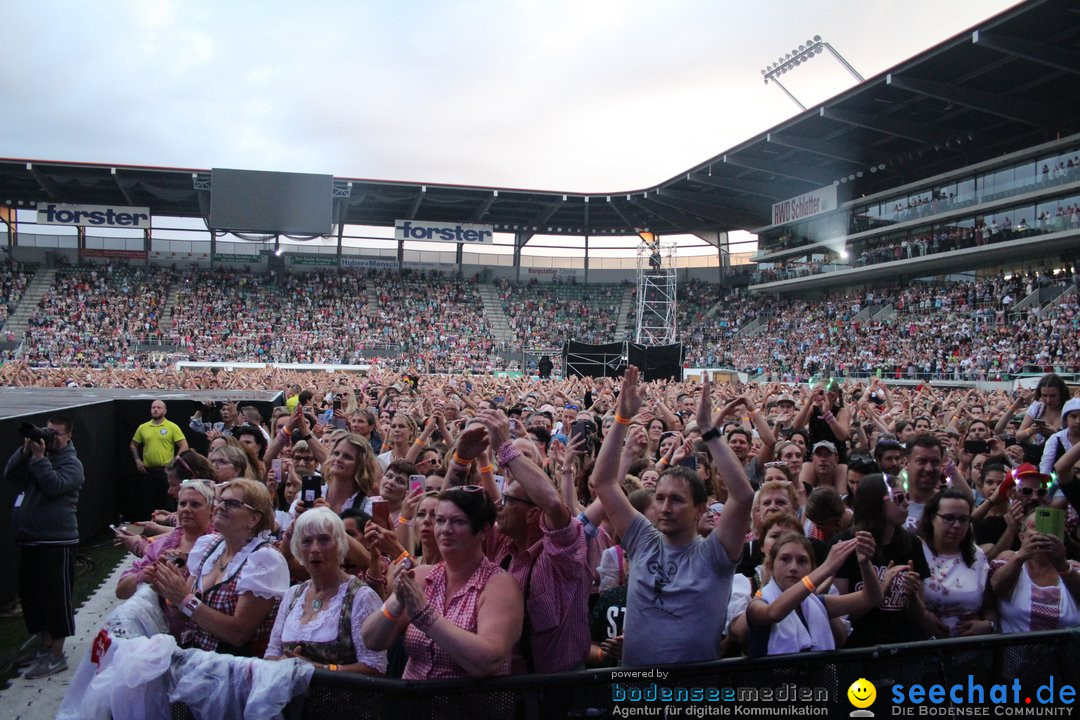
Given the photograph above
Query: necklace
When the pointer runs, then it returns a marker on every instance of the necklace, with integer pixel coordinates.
(223, 563)
(317, 603)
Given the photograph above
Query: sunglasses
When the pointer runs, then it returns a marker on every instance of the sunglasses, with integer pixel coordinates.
(1028, 491)
(775, 464)
(196, 481)
(571, 407)
(180, 459)
(955, 519)
(897, 497)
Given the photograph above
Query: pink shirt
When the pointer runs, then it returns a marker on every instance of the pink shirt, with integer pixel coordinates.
(428, 661)
(555, 577)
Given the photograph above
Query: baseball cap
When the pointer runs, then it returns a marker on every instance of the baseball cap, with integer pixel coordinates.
(824, 444)
(785, 398)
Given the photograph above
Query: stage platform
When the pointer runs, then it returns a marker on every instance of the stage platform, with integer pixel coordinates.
(20, 402)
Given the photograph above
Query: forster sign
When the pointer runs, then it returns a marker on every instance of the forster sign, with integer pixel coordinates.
(94, 216)
(443, 232)
(806, 205)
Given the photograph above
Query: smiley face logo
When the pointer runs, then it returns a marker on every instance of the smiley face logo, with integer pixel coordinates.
(862, 693)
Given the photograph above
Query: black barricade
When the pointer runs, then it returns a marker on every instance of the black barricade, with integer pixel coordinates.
(808, 684)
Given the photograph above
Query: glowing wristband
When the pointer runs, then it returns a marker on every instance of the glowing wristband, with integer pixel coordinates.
(621, 420)
(808, 583)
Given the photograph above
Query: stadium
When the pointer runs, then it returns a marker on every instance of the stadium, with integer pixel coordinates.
(917, 234)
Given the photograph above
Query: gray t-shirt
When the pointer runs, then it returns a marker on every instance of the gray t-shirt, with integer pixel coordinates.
(677, 597)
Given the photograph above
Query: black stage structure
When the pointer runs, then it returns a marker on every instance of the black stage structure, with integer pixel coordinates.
(656, 362)
(104, 421)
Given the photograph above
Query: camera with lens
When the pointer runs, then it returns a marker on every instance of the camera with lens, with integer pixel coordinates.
(40, 434)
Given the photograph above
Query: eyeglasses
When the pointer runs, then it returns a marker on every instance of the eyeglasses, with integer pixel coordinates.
(1027, 491)
(231, 504)
(303, 458)
(220, 461)
(513, 499)
(955, 519)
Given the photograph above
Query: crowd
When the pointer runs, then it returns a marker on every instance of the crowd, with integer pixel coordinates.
(316, 317)
(108, 317)
(93, 316)
(1009, 224)
(13, 280)
(507, 526)
(543, 315)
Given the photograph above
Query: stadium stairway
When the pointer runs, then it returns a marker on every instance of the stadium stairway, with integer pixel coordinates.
(625, 328)
(500, 326)
(35, 290)
(886, 312)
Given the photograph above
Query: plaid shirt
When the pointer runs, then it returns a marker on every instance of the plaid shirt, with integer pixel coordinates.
(428, 661)
(555, 576)
(223, 598)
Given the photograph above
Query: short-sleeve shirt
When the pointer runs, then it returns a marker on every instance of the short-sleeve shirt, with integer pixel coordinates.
(677, 597)
(158, 442)
(889, 622)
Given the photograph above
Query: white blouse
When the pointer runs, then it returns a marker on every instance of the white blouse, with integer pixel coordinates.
(265, 574)
(955, 591)
(288, 630)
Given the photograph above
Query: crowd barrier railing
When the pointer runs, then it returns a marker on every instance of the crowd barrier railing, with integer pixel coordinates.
(806, 684)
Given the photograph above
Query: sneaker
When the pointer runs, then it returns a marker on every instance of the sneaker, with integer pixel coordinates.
(30, 652)
(46, 666)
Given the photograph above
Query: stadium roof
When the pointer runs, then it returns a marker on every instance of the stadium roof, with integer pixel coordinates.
(1007, 84)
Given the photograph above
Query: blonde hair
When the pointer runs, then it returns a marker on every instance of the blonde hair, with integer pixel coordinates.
(257, 496)
(367, 472)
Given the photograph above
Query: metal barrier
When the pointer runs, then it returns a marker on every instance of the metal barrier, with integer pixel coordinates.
(814, 684)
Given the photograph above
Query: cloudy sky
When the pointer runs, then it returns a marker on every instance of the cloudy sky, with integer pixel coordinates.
(585, 95)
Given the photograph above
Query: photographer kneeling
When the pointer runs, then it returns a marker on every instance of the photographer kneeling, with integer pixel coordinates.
(49, 476)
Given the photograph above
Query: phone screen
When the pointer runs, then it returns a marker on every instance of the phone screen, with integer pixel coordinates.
(275, 465)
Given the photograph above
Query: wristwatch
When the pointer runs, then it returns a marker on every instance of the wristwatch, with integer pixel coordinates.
(190, 604)
(710, 434)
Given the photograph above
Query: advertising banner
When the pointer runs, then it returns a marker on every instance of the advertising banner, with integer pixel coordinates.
(444, 232)
(806, 205)
(93, 216)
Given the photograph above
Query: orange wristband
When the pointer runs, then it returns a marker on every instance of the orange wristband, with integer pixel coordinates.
(621, 420)
(806, 581)
(461, 461)
(489, 468)
(389, 615)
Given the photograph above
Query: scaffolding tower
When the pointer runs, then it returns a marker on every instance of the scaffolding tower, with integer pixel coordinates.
(656, 302)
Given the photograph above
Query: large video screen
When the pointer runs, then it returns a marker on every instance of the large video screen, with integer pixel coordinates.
(271, 202)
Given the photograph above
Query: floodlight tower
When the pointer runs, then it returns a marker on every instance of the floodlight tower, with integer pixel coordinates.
(803, 54)
(656, 303)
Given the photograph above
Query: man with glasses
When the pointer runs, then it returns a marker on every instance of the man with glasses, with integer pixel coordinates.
(154, 445)
(542, 544)
(48, 476)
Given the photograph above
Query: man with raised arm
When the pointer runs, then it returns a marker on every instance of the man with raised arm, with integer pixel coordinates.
(542, 544)
(679, 581)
